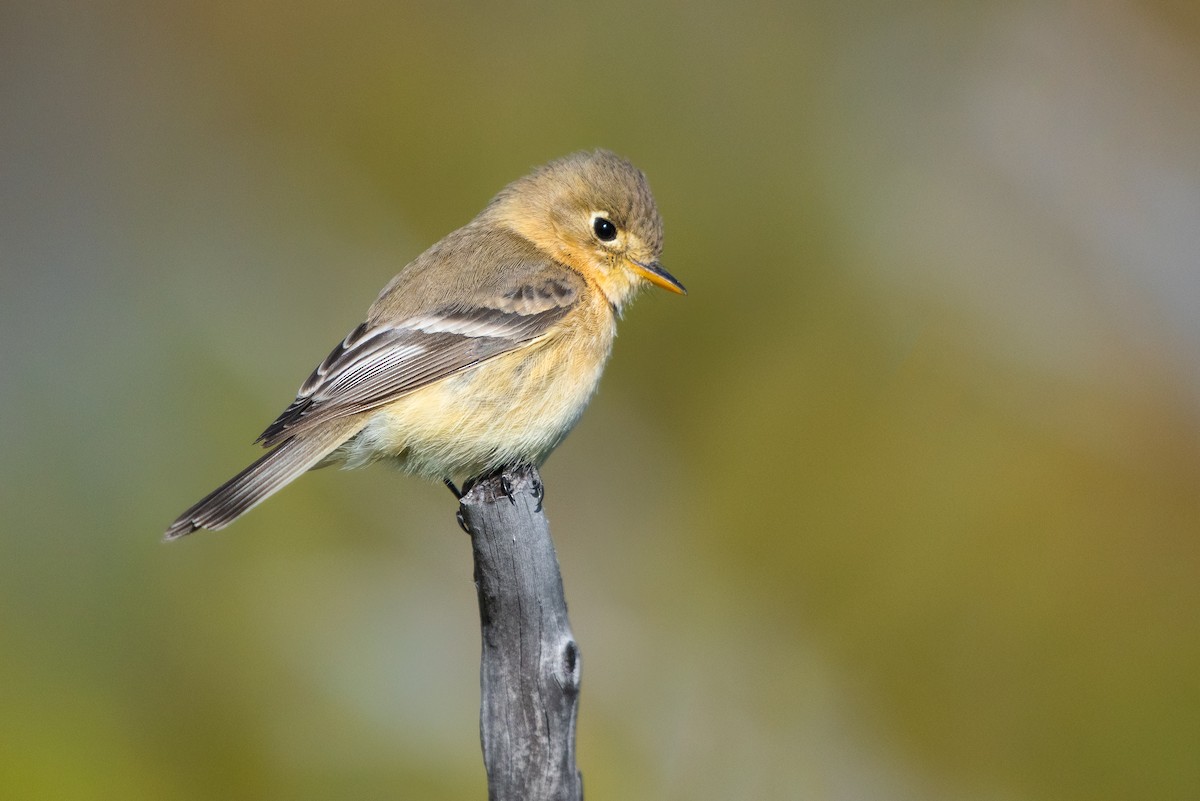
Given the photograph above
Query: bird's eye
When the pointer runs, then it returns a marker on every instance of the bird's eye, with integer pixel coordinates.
(604, 228)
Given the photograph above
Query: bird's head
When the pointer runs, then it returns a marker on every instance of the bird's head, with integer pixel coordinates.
(593, 212)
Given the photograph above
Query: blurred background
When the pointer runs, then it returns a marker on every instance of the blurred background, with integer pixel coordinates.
(901, 502)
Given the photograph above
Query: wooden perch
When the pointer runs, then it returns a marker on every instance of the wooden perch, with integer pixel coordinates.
(530, 669)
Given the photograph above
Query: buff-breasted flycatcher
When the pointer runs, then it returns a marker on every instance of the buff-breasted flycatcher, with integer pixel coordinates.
(481, 353)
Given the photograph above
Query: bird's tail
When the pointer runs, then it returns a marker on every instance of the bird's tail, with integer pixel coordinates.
(257, 482)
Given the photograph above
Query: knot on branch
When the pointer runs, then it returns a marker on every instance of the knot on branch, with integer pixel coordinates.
(566, 666)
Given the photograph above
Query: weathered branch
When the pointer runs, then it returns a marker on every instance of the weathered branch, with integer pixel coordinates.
(530, 669)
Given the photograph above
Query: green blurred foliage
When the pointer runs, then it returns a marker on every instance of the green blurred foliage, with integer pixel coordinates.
(902, 501)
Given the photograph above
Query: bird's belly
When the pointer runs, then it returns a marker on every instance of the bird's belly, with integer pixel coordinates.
(513, 408)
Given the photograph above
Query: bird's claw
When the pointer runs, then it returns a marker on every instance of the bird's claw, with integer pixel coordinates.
(539, 493)
(507, 488)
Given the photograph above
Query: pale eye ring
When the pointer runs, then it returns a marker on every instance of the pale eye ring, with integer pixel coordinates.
(604, 228)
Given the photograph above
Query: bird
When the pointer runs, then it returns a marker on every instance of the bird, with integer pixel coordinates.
(482, 352)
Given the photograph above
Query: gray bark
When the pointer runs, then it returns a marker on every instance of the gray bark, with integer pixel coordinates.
(530, 670)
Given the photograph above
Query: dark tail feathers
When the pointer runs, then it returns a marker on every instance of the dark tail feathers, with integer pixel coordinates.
(255, 484)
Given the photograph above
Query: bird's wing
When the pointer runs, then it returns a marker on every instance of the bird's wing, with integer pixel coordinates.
(380, 361)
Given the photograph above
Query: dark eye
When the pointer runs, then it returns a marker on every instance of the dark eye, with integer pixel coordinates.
(604, 229)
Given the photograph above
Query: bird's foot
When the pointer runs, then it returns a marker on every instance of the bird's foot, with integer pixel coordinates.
(539, 493)
(506, 486)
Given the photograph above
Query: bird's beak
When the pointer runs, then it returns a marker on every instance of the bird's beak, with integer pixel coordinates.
(655, 274)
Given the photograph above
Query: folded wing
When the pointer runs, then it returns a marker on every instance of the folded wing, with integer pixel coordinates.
(377, 363)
